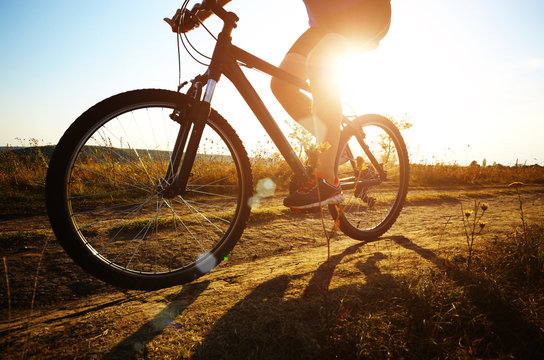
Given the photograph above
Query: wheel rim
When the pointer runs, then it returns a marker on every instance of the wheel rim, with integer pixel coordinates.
(114, 196)
(368, 207)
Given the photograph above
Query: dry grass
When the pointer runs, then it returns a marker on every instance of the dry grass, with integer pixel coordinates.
(26, 165)
(22, 178)
(457, 175)
(23, 170)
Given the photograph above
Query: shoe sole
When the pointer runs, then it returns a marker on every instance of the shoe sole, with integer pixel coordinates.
(337, 199)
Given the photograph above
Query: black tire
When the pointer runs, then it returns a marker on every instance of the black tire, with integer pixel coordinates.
(371, 205)
(104, 200)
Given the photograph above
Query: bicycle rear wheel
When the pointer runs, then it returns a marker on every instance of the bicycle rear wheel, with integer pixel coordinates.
(105, 192)
(373, 170)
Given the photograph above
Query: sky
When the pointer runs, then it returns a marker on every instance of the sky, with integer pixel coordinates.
(469, 75)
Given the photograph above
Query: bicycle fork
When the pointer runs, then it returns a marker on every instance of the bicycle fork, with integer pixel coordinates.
(190, 133)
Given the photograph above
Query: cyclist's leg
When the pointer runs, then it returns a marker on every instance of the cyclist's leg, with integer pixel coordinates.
(310, 57)
(324, 122)
(321, 65)
(297, 104)
(362, 26)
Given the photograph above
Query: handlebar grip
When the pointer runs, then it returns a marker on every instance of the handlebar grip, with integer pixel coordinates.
(186, 20)
(196, 7)
(182, 21)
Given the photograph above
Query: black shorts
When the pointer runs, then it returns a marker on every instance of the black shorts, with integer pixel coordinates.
(364, 24)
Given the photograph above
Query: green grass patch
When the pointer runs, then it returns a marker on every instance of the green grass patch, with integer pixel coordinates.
(12, 242)
(25, 199)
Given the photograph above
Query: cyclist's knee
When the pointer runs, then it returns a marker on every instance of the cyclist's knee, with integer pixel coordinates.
(277, 86)
(294, 64)
(282, 90)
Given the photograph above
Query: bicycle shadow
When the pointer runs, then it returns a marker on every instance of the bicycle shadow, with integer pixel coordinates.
(131, 345)
(269, 318)
(271, 324)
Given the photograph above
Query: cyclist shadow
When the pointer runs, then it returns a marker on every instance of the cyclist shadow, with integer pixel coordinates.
(270, 323)
(147, 332)
(271, 319)
(518, 336)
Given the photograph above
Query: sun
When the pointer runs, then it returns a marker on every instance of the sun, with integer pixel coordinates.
(364, 84)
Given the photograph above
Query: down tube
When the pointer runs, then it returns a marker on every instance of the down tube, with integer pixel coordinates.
(237, 77)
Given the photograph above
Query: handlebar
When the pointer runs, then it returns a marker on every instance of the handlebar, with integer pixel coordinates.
(185, 20)
(214, 7)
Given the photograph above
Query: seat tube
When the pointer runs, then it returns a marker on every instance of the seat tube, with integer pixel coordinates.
(360, 136)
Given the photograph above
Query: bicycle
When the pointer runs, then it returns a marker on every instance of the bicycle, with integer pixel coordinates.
(147, 216)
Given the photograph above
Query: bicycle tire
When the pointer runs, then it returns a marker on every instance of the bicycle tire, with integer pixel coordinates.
(104, 197)
(371, 206)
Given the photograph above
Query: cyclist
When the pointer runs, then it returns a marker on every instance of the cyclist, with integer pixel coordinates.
(335, 26)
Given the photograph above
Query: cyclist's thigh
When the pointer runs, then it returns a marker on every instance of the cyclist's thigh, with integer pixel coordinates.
(323, 58)
(295, 65)
(295, 59)
(306, 42)
(365, 23)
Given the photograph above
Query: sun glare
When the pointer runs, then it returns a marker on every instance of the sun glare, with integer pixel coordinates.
(371, 83)
(365, 84)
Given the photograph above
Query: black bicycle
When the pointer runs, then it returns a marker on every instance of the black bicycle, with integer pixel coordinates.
(150, 188)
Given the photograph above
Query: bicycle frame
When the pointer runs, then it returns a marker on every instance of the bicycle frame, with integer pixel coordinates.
(225, 61)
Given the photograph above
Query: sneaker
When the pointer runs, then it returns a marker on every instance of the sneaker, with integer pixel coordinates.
(308, 197)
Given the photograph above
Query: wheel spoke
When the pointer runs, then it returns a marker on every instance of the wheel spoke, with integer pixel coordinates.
(214, 194)
(146, 228)
(202, 212)
(133, 213)
(176, 216)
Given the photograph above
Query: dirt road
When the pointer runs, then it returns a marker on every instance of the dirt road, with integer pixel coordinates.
(273, 283)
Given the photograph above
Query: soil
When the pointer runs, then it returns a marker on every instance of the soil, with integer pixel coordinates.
(273, 281)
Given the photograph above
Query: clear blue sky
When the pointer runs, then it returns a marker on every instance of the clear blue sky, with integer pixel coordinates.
(470, 74)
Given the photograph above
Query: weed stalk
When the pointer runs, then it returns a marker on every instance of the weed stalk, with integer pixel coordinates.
(470, 227)
(325, 288)
(34, 290)
(9, 299)
(517, 185)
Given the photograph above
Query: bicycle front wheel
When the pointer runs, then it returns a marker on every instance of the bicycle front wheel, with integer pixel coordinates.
(105, 192)
(373, 169)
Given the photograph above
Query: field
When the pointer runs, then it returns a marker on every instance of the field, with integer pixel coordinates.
(430, 288)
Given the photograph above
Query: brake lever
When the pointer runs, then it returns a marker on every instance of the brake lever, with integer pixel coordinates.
(185, 18)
